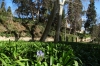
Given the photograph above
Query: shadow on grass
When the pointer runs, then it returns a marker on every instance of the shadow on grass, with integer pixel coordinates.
(88, 53)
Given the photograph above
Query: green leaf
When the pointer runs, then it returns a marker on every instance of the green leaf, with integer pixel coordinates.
(66, 60)
(39, 64)
(15, 54)
(51, 60)
(76, 63)
(20, 63)
(20, 58)
(7, 58)
(45, 64)
(70, 63)
(58, 64)
(3, 62)
(60, 60)
(24, 60)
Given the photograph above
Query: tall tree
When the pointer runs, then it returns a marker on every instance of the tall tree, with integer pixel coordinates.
(9, 13)
(50, 20)
(57, 33)
(91, 16)
(74, 15)
(3, 7)
(3, 11)
(9, 10)
(77, 14)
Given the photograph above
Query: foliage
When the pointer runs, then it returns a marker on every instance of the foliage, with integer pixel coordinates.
(74, 15)
(25, 54)
(43, 11)
(88, 53)
(55, 54)
(80, 35)
(3, 13)
(91, 16)
(71, 37)
(96, 33)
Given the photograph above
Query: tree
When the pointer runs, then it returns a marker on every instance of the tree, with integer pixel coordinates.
(40, 8)
(57, 33)
(74, 15)
(9, 13)
(35, 8)
(3, 13)
(25, 9)
(50, 20)
(9, 9)
(91, 16)
(2, 8)
(59, 22)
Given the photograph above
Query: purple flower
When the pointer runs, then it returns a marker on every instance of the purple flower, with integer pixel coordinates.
(40, 53)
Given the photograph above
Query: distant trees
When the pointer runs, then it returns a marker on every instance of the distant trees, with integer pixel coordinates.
(46, 11)
(9, 14)
(6, 20)
(2, 11)
(5, 13)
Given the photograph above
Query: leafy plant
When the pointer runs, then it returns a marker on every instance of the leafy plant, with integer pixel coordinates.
(23, 53)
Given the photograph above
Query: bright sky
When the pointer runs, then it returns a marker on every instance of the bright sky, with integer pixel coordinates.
(97, 5)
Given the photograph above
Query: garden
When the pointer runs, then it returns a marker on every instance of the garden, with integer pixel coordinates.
(73, 26)
(23, 53)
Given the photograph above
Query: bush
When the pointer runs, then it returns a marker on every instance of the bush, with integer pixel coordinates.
(71, 38)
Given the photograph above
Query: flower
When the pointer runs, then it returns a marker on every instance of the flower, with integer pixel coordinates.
(40, 55)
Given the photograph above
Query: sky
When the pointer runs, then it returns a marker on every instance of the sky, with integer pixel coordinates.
(97, 4)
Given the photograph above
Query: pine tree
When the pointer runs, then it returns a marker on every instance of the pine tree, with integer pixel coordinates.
(3, 11)
(2, 8)
(91, 16)
(9, 9)
(9, 13)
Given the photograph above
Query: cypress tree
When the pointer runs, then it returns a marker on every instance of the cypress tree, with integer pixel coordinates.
(91, 16)
(2, 8)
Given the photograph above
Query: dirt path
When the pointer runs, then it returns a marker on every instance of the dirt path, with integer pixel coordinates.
(22, 38)
(29, 38)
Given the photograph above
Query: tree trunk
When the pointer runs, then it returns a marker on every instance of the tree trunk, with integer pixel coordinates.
(57, 34)
(17, 36)
(31, 30)
(50, 20)
(32, 35)
(65, 29)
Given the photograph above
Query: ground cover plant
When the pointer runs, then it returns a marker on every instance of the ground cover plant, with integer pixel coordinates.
(48, 54)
